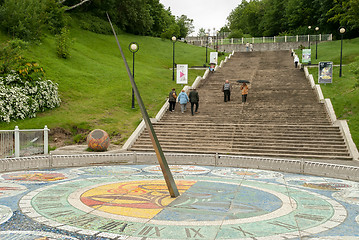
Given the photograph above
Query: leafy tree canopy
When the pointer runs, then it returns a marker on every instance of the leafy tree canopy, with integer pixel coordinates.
(278, 17)
(28, 19)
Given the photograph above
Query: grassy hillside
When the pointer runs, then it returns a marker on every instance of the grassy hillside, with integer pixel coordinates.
(344, 91)
(94, 86)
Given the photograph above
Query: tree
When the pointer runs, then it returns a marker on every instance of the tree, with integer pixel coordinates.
(23, 18)
(247, 17)
(346, 13)
(201, 32)
(185, 25)
(273, 19)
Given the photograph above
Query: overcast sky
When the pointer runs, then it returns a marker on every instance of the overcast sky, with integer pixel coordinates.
(207, 14)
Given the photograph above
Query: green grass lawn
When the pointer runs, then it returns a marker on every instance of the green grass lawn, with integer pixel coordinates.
(94, 86)
(344, 91)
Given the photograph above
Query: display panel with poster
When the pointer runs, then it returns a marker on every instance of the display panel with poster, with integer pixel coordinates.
(213, 58)
(306, 55)
(182, 73)
(325, 72)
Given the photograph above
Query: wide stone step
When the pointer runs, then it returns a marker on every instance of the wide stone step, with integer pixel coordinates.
(214, 139)
(254, 140)
(283, 117)
(253, 154)
(244, 133)
(256, 144)
(250, 148)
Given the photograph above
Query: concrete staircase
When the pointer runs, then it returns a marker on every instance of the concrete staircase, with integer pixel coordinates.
(282, 117)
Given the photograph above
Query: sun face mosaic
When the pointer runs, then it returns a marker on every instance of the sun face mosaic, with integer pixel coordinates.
(132, 202)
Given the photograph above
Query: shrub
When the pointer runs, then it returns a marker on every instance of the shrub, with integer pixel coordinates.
(20, 98)
(95, 24)
(27, 19)
(63, 43)
(23, 19)
(236, 34)
(10, 57)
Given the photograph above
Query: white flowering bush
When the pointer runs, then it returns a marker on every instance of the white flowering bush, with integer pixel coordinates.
(20, 99)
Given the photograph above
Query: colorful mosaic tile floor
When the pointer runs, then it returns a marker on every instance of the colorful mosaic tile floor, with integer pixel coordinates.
(132, 202)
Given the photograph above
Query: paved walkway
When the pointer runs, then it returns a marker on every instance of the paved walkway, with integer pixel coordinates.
(132, 202)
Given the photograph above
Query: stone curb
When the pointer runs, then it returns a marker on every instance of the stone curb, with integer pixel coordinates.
(342, 124)
(217, 160)
(344, 128)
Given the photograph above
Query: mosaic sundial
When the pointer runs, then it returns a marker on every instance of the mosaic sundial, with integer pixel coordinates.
(223, 205)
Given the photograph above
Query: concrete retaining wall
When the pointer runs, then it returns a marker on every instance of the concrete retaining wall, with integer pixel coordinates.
(262, 46)
(217, 160)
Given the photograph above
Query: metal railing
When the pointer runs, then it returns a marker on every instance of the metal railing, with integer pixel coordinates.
(25, 142)
(212, 41)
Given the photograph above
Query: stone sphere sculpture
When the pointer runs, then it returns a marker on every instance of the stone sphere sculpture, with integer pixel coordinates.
(98, 140)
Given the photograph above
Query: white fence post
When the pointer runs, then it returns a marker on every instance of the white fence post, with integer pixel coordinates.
(274, 38)
(297, 38)
(232, 40)
(285, 38)
(242, 40)
(17, 141)
(46, 140)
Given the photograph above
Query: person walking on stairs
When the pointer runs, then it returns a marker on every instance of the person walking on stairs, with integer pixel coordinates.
(226, 89)
(172, 100)
(296, 61)
(244, 89)
(183, 100)
(194, 99)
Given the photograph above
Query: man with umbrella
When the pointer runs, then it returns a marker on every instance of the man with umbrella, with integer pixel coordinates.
(244, 89)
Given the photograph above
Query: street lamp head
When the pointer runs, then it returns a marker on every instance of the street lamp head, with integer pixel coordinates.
(317, 28)
(133, 47)
(342, 30)
(309, 27)
(174, 38)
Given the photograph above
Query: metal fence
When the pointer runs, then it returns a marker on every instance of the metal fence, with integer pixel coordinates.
(22, 143)
(211, 41)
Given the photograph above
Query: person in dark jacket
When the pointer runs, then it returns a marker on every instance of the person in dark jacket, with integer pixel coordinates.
(194, 99)
(172, 100)
(226, 89)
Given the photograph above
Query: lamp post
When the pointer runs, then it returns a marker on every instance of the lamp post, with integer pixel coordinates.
(133, 47)
(316, 44)
(309, 27)
(342, 31)
(173, 62)
(206, 46)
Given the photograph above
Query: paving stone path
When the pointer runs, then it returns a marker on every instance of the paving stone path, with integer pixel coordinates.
(131, 202)
(283, 117)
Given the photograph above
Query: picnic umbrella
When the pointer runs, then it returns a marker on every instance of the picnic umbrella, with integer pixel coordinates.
(243, 81)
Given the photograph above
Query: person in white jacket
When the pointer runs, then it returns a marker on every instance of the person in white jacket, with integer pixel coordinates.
(296, 61)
